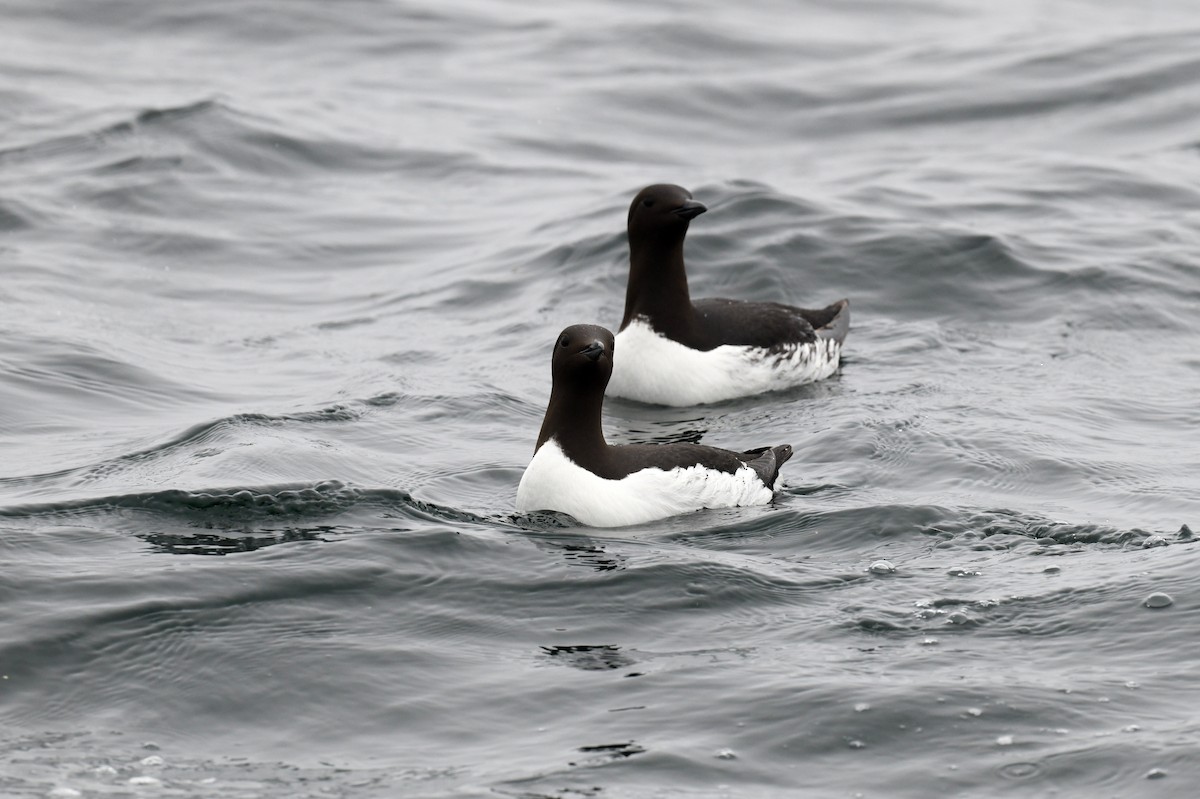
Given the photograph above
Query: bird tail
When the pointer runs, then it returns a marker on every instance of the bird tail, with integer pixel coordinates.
(765, 461)
(832, 322)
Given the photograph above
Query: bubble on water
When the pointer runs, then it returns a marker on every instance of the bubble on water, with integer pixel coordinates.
(1131, 728)
(958, 617)
(975, 711)
(726, 754)
(1156, 774)
(144, 780)
(63, 793)
(152, 760)
(960, 572)
(854, 743)
(862, 707)
(1004, 740)
(929, 642)
(104, 771)
(1019, 771)
(882, 567)
(1132, 684)
(1154, 541)
(153, 747)
(1159, 600)
(1052, 570)
(1103, 699)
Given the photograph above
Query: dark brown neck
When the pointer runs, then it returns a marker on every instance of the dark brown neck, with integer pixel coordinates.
(658, 286)
(573, 420)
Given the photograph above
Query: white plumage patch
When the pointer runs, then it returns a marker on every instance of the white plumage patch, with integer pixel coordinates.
(553, 481)
(650, 367)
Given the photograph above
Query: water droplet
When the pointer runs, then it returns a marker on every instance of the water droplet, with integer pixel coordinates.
(882, 567)
(1159, 600)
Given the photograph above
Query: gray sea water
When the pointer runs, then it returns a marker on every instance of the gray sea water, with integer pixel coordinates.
(280, 282)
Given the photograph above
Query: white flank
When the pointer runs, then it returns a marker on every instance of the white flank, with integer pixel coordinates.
(650, 367)
(555, 482)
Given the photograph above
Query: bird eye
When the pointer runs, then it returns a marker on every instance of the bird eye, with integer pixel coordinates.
(564, 341)
(648, 202)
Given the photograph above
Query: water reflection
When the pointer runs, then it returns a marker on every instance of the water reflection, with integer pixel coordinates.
(228, 542)
(589, 657)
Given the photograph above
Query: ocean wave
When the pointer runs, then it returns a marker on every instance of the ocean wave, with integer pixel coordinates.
(211, 134)
(800, 533)
(205, 435)
(247, 505)
(108, 762)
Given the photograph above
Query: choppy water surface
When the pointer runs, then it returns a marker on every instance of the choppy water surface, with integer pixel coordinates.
(280, 282)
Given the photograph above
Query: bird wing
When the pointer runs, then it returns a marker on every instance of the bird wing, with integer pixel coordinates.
(770, 325)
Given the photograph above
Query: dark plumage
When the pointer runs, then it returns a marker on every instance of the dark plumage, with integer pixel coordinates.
(657, 291)
(581, 366)
(657, 298)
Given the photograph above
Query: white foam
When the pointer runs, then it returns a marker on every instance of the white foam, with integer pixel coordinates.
(650, 367)
(552, 481)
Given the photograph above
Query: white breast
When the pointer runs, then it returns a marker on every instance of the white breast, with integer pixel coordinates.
(555, 482)
(650, 367)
